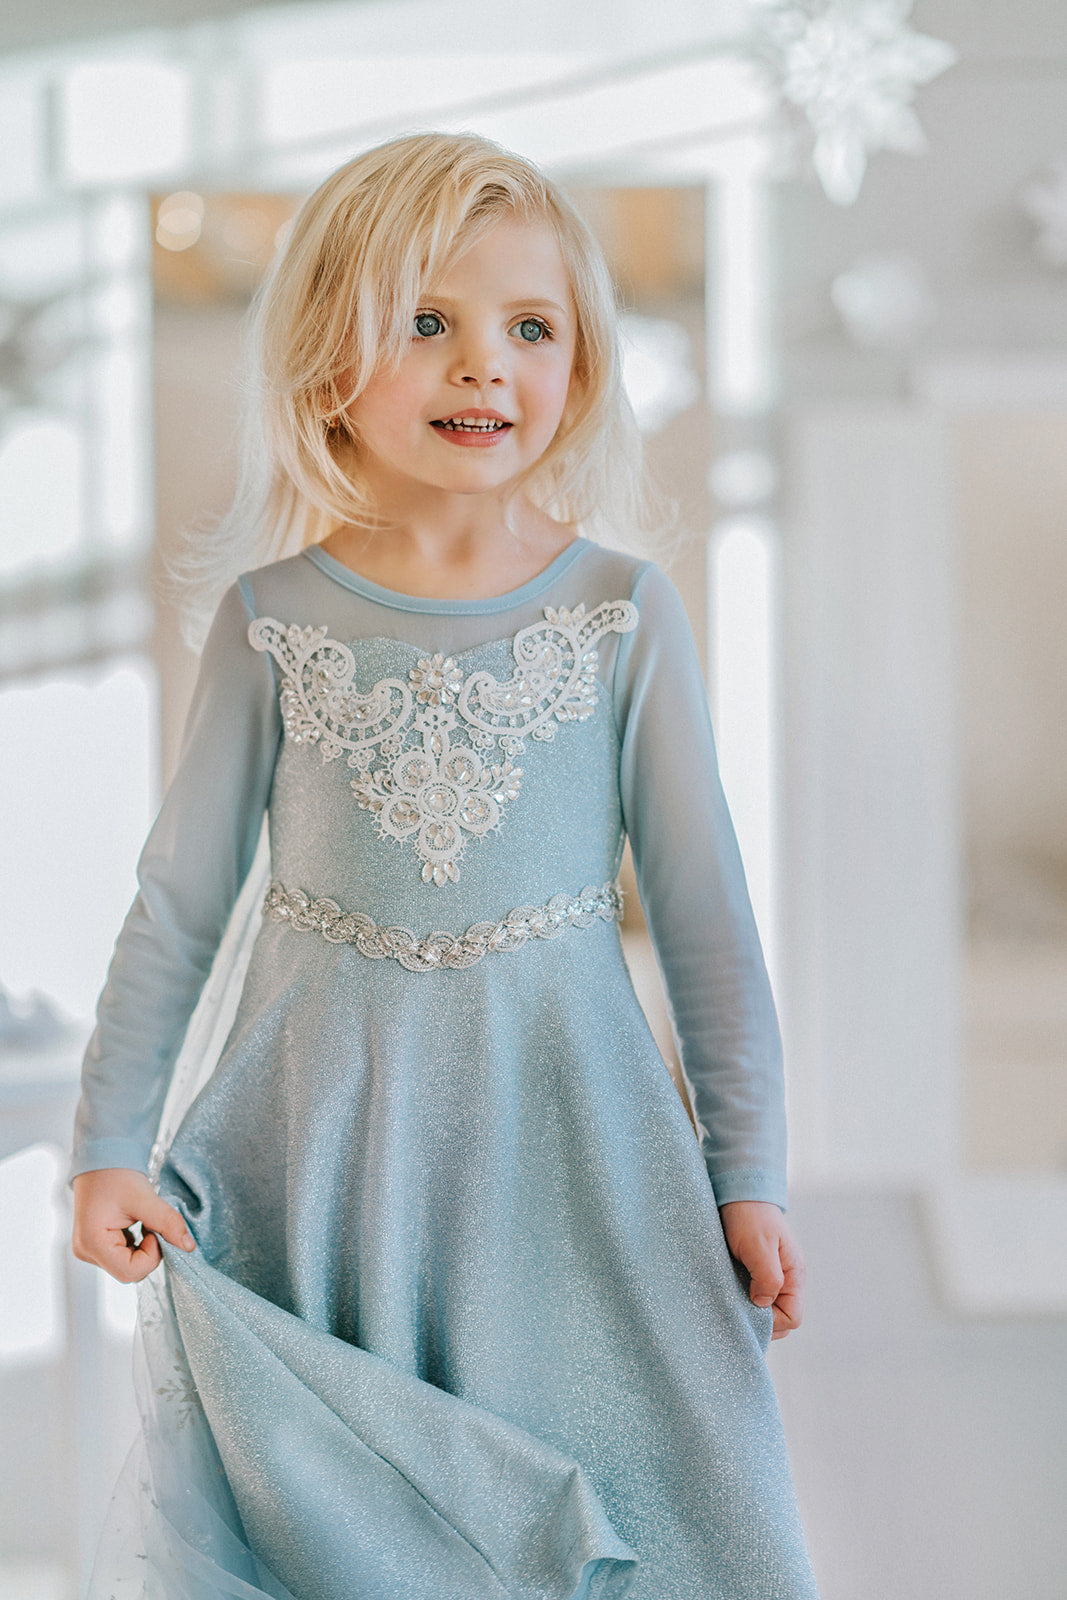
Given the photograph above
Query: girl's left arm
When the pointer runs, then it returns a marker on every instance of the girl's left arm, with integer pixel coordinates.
(194, 862)
(695, 899)
(694, 895)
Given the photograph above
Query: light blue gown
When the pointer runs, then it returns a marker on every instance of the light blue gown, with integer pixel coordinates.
(462, 1322)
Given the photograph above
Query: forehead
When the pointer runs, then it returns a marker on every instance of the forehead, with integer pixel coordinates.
(515, 259)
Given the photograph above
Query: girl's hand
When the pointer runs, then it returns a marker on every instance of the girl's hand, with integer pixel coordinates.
(107, 1203)
(757, 1234)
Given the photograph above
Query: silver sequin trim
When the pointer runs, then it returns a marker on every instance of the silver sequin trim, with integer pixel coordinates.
(298, 908)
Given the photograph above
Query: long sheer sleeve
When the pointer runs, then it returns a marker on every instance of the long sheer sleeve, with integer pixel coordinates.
(692, 887)
(194, 861)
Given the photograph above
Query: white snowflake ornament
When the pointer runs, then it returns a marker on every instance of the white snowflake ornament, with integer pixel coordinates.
(852, 68)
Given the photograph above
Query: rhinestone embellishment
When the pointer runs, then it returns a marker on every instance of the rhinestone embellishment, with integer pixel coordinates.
(438, 950)
(423, 750)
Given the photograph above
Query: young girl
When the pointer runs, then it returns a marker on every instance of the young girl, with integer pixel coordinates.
(455, 1305)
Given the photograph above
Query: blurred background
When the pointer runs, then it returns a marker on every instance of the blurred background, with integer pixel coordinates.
(839, 233)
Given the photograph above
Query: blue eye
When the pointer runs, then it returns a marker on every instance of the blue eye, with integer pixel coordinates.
(427, 323)
(533, 330)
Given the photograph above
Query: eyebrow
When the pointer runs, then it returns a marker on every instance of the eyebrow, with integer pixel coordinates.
(512, 305)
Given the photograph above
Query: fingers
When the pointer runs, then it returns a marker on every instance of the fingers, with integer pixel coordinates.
(788, 1311)
(111, 1202)
(789, 1303)
(765, 1271)
(753, 1234)
(131, 1263)
(167, 1222)
(759, 1237)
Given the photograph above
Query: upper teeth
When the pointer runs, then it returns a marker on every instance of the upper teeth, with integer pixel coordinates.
(469, 423)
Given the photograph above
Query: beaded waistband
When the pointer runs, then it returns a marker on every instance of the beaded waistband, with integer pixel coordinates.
(437, 950)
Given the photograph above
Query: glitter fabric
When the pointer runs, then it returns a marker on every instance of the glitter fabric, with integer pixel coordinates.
(462, 1321)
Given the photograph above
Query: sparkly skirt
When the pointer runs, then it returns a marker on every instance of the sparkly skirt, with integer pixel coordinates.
(462, 1321)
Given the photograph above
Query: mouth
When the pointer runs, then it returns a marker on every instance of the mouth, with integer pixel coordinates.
(480, 429)
(472, 425)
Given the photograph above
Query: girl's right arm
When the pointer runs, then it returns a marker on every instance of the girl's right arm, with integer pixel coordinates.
(194, 862)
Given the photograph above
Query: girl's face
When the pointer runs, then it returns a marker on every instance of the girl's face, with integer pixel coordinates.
(483, 384)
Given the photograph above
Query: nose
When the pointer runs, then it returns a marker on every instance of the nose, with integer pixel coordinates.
(479, 361)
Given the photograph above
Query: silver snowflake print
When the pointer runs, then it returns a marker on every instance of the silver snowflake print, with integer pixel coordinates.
(180, 1391)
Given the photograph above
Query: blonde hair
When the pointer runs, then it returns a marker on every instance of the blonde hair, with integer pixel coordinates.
(336, 305)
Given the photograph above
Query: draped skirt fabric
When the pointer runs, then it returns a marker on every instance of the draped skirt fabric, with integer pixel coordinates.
(461, 1323)
(277, 1460)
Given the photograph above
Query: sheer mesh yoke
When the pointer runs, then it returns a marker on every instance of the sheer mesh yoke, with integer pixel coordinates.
(323, 592)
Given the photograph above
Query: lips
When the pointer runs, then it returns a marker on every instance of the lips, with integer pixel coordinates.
(474, 426)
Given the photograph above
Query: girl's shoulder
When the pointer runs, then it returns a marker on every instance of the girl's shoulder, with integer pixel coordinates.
(643, 582)
(618, 574)
(277, 585)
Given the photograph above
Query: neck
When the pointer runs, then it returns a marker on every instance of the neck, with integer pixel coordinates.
(461, 547)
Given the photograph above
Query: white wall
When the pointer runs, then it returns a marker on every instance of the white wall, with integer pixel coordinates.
(871, 832)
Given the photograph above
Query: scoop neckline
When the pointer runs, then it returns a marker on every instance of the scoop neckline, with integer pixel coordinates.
(414, 602)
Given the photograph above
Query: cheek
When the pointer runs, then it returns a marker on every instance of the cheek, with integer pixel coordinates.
(553, 389)
(387, 407)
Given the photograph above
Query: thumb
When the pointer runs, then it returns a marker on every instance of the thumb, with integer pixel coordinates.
(163, 1219)
(766, 1279)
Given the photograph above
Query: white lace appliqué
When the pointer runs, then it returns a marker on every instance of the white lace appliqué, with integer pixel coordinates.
(436, 735)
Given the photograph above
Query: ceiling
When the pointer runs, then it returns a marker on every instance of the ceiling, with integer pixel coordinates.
(1031, 29)
(29, 25)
